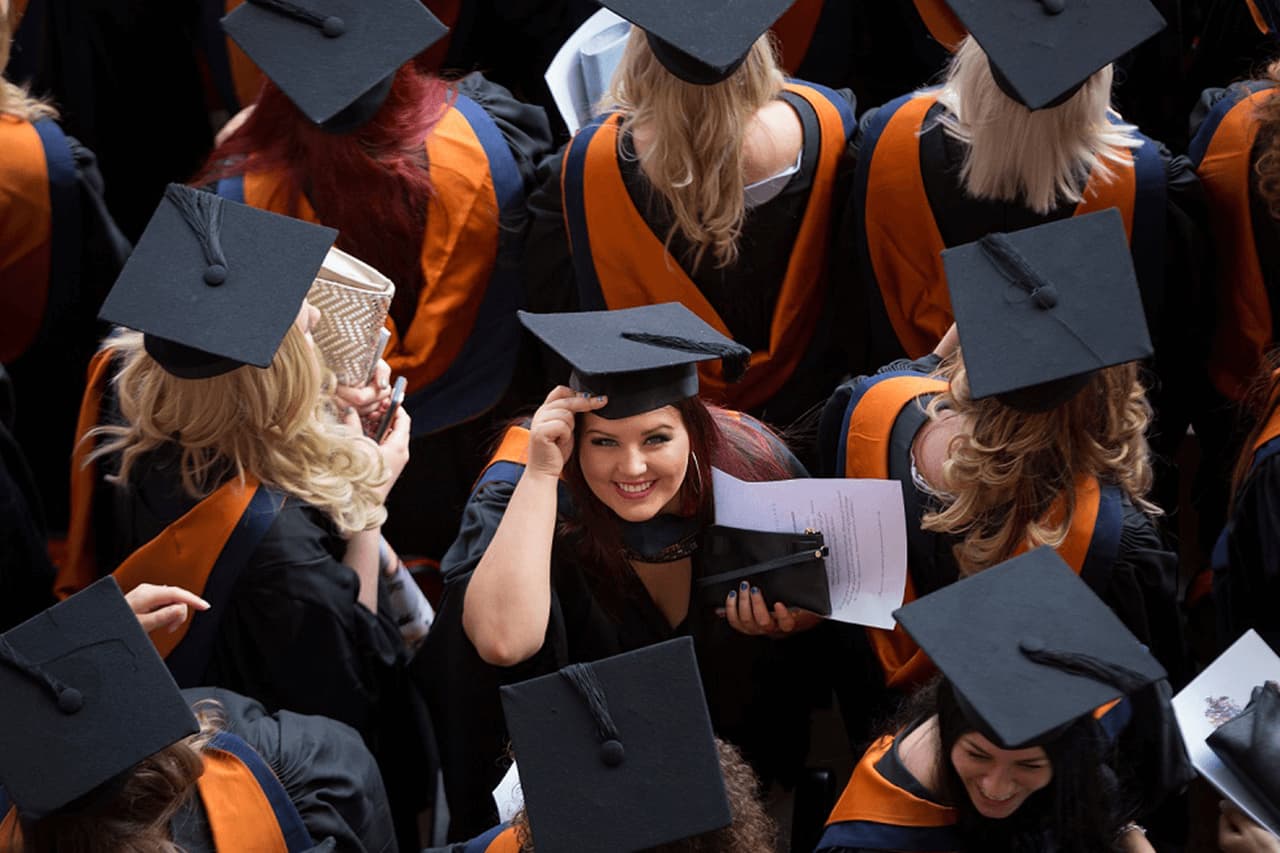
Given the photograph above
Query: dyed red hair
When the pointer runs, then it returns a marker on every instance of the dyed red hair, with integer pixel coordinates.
(372, 184)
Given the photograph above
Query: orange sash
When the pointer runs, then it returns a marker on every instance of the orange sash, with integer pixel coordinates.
(240, 815)
(79, 569)
(794, 31)
(634, 267)
(26, 232)
(506, 842)
(1244, 324)
(1259, 20)
(941, 23)
(458, 250)
(867, 455)
(871, 797)
(904, 242)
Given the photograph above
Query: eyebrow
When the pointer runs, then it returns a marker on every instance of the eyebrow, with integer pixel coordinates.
(648, 432)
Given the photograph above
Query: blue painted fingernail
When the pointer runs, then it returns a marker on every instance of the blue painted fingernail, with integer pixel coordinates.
(744, 586)
(733, 593)
(584, 394)
(600, 399)
(755, 590)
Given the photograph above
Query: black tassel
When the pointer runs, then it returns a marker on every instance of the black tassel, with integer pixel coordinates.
(1015, 268)
(69, 698)
(1122, 678)
(203, 213)
(734, 358)
(331, 25)
(584, 680)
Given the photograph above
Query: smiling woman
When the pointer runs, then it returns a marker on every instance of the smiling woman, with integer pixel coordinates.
(580, 541)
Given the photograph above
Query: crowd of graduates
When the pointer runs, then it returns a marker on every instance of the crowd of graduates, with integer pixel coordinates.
(1014, 255)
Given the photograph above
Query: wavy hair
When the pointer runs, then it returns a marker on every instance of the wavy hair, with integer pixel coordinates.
(1267, 166)
(16, 100)
(274, 423)
(750, 830)
(1007, 471)
(695, 159)
(1040, 159)
(131, 813)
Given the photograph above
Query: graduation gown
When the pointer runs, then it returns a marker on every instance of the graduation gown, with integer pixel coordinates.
(26, 574)
(60, 252)
(1246, 561)
(285, 629)
(757, 690)
(867, 430)
(597, 241)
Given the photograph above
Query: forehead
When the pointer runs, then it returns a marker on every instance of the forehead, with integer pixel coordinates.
(1031, 753)
(667, 416)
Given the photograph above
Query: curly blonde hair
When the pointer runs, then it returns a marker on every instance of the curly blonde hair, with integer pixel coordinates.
(1267, 166)
(1041, 159)
(15, 100)
(274, 423)
(695, 160)
(1005, 472)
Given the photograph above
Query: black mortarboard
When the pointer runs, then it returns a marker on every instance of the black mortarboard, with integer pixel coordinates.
(86, 697)
(1042, 51)
(642, 358)
(215, 284)
(704, 41)
(1028, 648)
(617, 755)
(1039, 310)
(335, 59)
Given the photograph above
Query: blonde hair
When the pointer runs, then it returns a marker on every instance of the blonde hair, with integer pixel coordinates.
(15, 100)
(1005, 472)
(695, 160)
(1041, 159)
(273, 423)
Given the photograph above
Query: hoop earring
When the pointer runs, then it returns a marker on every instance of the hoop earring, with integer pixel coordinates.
(697, 473)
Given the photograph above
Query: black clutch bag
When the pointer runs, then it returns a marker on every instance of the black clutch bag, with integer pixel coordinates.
(1249, 744)
(787, 567)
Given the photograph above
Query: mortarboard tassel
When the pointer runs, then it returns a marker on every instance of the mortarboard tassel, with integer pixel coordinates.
(331, 25)
(69, 699)
(733, 357)
(584, 680)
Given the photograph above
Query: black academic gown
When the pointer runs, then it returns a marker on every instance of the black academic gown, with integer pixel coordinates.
(324, 766)
(759, 690)
(1247, 589)
(26, 573)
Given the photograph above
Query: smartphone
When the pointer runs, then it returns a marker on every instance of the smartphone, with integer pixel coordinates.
(397, 400)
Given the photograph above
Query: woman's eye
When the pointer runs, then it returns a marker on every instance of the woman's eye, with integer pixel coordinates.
(977, 756)
(603, 442)
(657, 439)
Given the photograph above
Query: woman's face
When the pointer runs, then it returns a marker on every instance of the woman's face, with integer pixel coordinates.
(997, 780)
(635, 465)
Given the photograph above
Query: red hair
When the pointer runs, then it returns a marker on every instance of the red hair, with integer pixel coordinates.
(372, 184)
(717, 438)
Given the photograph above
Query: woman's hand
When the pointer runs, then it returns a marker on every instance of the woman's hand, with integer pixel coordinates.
(748, 614)
(1237, 833)
(551, 431)
(162, 606)
(371, 399)
(395, 450)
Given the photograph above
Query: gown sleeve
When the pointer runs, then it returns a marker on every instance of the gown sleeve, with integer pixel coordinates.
(329, 774)
(524, 126)
(1247, 590)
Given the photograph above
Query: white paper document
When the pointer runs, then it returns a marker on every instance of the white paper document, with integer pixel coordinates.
(1215, 696)
(509, 796)
(579, 75)
(862, 523)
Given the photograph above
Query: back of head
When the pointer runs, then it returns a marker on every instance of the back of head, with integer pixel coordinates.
(1040, 159)
(15, 100)
(1007, 467)
(694, 136)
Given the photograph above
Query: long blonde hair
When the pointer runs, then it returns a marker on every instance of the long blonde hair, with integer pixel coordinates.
(695, 160)
(273, 423)
(1005, 471)
(1041, 159)
(15, 100)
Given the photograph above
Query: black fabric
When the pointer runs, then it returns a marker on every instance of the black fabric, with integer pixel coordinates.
(1249, 744)
(26, 573)
(1246, 589)
(786, 567)
(323, 765)
(48, 379)
(743, 294)
(293, 635)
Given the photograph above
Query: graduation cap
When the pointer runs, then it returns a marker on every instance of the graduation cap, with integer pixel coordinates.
(1042, 652)
(703, 41)
(1266, 15)
(335, 59)
(617, 755)
(641, 358)
(1042, 51)
(215, 284)
(86, 697)
(1040, 310)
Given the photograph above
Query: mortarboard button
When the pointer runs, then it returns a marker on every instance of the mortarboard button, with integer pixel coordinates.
(1054, 7)
(612, 753)
(333, 26)
(1031, 644)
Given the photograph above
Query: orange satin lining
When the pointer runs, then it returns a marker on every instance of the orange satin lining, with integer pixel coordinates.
(240, 815)
(26, 230)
